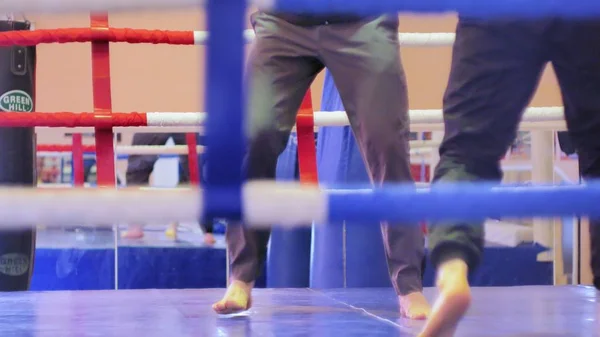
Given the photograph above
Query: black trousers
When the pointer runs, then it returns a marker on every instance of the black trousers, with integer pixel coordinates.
(496, 67)
(139, 167)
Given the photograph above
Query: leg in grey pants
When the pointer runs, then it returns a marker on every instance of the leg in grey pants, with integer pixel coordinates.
(364, 59)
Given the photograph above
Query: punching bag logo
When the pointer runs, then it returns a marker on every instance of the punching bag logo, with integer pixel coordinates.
(16, 101)
(14, 264)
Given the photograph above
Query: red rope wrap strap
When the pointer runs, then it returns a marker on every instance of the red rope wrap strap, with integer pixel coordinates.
(307, 152)
(105, 152)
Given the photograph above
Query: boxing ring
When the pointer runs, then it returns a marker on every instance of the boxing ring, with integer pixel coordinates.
(499, 311)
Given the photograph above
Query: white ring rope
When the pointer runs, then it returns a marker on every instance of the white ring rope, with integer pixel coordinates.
(405, 39)
(175, 118)
(138, 150)
(71, 6)
(264, 203)
(288, 204)
(535, 118)
(155, 149)
(417, 148)
(538, 118)
(419, 184)
(59, 185)
(99, 205)
(339, 118)
(133, 150)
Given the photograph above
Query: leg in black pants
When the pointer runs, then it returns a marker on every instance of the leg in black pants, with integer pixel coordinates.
(184, 172)
(576, 61)
(207, 224)
(208, 228)
(495, 70)
(589, 166)
(140, 167)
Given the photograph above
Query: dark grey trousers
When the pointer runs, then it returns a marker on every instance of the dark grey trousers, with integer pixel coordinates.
(364, 59)
(496, 67)
(139, 167)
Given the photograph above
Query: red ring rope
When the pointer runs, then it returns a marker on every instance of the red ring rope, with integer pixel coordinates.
(72, 35)
(71, 119)
(64, 148)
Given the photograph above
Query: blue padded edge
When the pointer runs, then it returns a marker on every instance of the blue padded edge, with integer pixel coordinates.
(474, 8)
(467, 201)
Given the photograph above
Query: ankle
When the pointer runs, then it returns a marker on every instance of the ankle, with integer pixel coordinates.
(247, 286)
(411, 295)
(455, 269)
(455, 265)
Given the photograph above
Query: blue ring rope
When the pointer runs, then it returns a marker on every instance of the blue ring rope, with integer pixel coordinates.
(225, 136)
(463, 202)
(477, 8)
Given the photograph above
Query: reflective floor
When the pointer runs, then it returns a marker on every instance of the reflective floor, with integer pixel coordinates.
(511, 312)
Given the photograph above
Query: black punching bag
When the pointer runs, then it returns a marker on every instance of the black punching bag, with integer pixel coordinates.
(17, 157)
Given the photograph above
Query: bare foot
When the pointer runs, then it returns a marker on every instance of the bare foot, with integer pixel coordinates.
(414, 306)
(171, 231)
(133, 232)
(452, 302)
(236, 299)
(209, 239)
